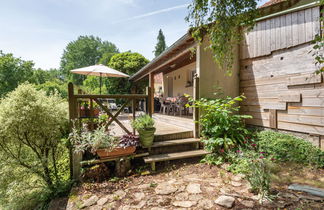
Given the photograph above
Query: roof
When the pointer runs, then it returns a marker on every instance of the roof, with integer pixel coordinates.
(271, 2)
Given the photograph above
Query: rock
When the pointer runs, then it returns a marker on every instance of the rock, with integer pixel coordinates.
(102, 201)
(96, 207)
(157, 208)
(140, 205)
(210, 189)
(195, 197)
(142, 186)
(205, 204)
(181, 188)
(236, 184)
(165, 189)
(215, 184)
(111, 205)
(249, 204)
(120, 194)
(238, 177)
(225, 201)
(163, 201)
(139, 196)
(184, 204)
(90, 201)
(193, 188)
(182, 196)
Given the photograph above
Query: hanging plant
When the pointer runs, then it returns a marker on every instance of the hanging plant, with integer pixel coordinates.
(221, 20)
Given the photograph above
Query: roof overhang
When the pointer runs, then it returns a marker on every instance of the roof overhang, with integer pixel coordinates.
(173, 57)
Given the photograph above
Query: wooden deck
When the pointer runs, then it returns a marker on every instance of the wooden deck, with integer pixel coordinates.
(165, 124)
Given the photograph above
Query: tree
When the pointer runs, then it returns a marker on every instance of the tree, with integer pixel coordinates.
(13, 71)
(221, 20)
(128, 63)
(31, 127)
(85, 51)
(160, 45)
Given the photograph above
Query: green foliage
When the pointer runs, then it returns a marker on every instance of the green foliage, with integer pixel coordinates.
(286, 147)
(13, 71)
(128, 63)
(54, 86)
(319, 45)
(259, 177)
(222, 127)
(83, 139)
(221, 20)
(160, 45)
(34, 163)
(106, 58)
(143, 122)
(85, 51)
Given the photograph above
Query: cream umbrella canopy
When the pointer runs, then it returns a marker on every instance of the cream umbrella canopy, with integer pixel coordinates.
(100, 71)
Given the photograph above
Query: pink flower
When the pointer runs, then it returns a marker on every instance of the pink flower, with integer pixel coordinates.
(221, 151)
(262, 152)
(253, 145)
(261, 157)
(238, 151)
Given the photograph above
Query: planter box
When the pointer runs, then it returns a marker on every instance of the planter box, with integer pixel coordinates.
(86, 113)
(117, 152)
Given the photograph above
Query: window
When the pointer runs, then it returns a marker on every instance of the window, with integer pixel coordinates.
(191, 76)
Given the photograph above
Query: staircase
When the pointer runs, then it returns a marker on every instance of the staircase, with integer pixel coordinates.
(174, 146)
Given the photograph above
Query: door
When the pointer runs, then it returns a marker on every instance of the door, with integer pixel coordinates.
(170, 86)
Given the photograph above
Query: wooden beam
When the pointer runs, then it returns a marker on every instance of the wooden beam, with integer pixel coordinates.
(196, 110)
(137, 96)
(273, 118)
(151, 85)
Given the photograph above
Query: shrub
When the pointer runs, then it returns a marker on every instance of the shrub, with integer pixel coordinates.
(222, 127)
(31, 150)
(143, 122)
(286, 147)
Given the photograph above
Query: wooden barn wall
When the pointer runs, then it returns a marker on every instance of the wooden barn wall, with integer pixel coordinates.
(281, 88)
(281, 32)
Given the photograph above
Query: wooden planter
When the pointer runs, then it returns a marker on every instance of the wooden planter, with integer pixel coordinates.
(86, 113)
(117, 152)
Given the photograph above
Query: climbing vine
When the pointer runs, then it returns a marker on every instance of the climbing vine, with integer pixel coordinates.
(221, 20)
(318, 47)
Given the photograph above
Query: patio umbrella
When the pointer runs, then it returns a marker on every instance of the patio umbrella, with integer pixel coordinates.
(99, 70)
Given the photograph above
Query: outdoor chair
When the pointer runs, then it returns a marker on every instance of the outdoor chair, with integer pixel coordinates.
(165, 106)
(180, 106)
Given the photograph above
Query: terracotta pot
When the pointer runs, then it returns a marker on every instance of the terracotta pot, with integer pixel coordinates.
(117, 152)
(96, 112)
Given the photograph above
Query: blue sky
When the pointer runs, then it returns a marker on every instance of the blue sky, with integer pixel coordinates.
(39, 30)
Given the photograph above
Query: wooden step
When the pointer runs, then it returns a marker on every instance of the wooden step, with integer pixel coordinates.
(175, 142)
(173, 156)
(172, 136)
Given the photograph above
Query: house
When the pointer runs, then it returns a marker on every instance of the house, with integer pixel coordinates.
(272, 68)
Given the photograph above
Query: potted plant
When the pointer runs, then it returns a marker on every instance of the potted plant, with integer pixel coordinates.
(101, 143)
(144, 125)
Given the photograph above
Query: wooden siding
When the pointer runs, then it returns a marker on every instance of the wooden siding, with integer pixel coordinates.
(281, 32)
(283, 92)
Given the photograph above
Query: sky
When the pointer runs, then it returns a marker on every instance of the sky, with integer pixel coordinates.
(39, 30)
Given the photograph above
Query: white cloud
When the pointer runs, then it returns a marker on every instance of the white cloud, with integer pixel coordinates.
(154, 12)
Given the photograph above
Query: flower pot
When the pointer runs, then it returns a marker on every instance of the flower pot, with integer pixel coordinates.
(96, 112)
(147, 137)
(117, 152)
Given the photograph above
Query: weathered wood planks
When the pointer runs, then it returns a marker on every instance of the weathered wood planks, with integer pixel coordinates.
(281, 32)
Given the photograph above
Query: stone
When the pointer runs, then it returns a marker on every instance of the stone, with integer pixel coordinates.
(142, 186)
(157, 208)
(102, 201)
(193, 188)
(236, 184)
(182, 196)
(120, 194)
(96, 207)
(238, 177)
(163, 201)
(165, 189)
(225, 201)
(111, 205)
(205, 204)
(210, 189)
(215, 184)
(184, 204)
(140, 205)
(195, 197)
(139, 196)
(249, 204)
(90, 201)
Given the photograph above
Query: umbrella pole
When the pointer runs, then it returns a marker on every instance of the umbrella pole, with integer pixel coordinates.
(100, 83)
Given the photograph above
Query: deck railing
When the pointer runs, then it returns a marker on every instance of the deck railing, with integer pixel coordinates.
(75, 101)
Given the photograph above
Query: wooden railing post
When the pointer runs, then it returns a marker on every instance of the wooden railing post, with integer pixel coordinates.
(75, 158)
(133, 91)
(196, 110)
(149, 101)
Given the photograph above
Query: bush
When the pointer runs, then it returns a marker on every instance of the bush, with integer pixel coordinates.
(222, 127)
(33, 158)
(284, 147)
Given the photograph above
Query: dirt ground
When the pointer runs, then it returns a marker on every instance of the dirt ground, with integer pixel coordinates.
(193, 185)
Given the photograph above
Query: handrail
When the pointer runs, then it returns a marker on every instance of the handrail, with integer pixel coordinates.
(128, 96)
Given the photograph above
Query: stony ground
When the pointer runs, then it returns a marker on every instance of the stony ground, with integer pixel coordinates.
(185, 186)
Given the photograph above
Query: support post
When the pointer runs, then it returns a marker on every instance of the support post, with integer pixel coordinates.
(196, 110)
(151, 85)
(149, 101)
(133, 91)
